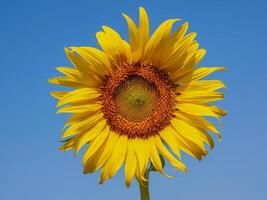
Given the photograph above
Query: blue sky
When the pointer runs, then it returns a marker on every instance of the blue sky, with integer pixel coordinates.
(33, 35)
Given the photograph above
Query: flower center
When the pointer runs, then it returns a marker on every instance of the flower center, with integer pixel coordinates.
(138, 100)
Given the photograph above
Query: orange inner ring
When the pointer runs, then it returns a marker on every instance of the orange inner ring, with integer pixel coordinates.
(161, 112)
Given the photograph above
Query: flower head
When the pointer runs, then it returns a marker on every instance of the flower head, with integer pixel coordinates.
(134, 102)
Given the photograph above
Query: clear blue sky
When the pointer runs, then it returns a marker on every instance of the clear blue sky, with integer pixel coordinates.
(33, 35)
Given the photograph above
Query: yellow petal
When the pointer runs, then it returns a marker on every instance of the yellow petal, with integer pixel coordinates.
(176, 163)
(118, 155)
(86, 137)
(107, 151)
(76, 118)
(217, 110)
(197, 121)
(188, 132)
(185, 56)
(99, 57)
(74, 83)
(68, 145)
(171, 141)
(175, 59)
(58, 94)
(116, 159)
(117, 50)
(198, 74)
(141, 148)
(143, 27)
(75, 79)
(199, 96)
(100, 157)
(158, 46)
(169, 135)
(194, 60)
(138, 35)
(134, 36)
(201, 86)
(79, 95)
(200, 110)
(90, 108)
(91, 164)
(82, 124)
(95, 144)
(206, 138)
(95, 63)
(154, 155)
(70, 72)
(130, 164)
(179, 33)
(82, 65)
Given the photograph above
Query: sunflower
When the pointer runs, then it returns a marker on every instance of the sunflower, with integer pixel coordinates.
(137, 103)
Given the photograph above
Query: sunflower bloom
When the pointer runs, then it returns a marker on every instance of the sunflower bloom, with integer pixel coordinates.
(132, 104)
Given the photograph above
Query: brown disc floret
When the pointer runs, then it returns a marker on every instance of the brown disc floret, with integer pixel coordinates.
(138, 100)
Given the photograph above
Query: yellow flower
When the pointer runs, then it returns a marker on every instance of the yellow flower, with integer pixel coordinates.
(134, 102)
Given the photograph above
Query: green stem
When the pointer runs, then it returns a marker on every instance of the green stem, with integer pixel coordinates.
(144, 188)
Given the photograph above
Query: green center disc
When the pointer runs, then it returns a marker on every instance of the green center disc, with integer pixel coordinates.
(136, 98)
